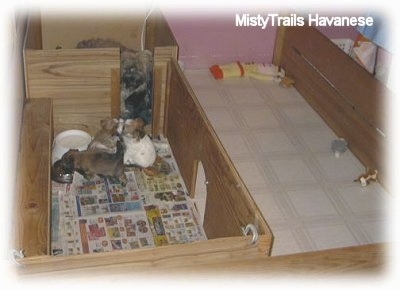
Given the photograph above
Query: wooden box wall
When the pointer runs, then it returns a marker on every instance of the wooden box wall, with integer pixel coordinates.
(72, 88)
(83, 83)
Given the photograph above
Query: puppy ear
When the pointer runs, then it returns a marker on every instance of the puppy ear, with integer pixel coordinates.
(108, 123)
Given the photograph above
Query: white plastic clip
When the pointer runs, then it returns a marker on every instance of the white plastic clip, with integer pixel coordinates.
(15, 255)
(251, 228)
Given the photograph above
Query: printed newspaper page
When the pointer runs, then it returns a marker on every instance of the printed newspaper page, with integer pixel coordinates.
(101, 215)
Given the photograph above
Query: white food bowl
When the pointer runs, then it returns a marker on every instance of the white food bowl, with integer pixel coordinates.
(69, 139)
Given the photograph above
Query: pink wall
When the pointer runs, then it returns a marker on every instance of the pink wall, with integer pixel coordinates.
(214, 39)
(204, 41)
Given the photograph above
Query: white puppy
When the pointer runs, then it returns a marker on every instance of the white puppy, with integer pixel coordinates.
(139, 149)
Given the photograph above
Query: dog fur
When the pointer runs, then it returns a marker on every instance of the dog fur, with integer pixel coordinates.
(106, 138)
(139, 149)
(136, 84)
(90, 163)
(134, 128)
(136, 78)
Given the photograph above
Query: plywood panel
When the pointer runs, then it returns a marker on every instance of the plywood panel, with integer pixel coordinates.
(32, 220)
(342, 262)
(81, 83)
(161, 74)
(356, 86)
(339, 111)
(364, 141)
(183, 255)
(212, 259)
(229, 206)
(71, 65)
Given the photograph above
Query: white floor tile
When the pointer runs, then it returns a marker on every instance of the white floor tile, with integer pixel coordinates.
(268, 205)
(222, 119)
(291, 170)
(364, 199)
(210, 97)
(234, 143)
(281, 96)
(312, 202)
(343, 168)
(250, 172)
(281, 148)
(274, 143)
(301, 115)
(246, 96)
(285, 243)
(378, 231)
(261, 117)
(316, 139)
(332, 236)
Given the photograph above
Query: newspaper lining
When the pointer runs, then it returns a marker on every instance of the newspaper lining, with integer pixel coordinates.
(101, 215)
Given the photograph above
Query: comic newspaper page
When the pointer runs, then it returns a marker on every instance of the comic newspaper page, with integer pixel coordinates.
(101, 215)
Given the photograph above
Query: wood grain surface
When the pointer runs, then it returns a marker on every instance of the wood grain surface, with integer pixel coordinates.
(347, 97)
(32, 213)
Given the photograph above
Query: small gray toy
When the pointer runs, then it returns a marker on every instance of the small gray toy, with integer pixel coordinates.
(339, 146)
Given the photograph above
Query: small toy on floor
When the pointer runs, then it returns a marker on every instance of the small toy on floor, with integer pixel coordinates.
(257, 71)
(286, 82)
(339, 146)
(370, 176)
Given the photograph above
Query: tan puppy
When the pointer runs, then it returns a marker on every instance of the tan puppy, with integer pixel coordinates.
(134, 128)
(106, 139)
(90, 163)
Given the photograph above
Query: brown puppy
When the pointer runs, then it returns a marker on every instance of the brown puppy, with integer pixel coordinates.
(134, 128)
(90, 163)
(106, 139)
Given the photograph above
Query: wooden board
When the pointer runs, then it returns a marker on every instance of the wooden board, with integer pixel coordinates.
(229, 205)
(32, 213)
(185, 255)
(83, 83)
(80, 82)
(343, 262)
(349, 99)
(161, 75)
(363, 92)
(233, 248)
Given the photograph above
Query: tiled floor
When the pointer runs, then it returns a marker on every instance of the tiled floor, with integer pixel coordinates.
(281, 149)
